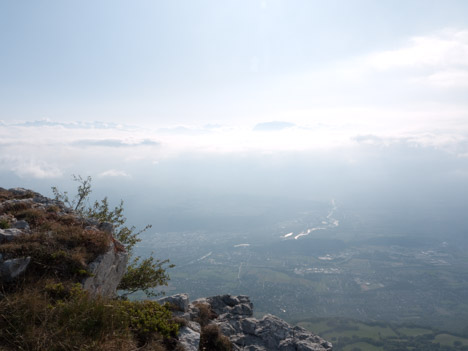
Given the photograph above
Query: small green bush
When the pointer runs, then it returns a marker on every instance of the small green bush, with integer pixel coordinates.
(148, 317)
(4, 224)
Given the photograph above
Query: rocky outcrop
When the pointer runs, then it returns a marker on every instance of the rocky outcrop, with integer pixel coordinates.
(179, 302)
(105, 272)
(233, 316)
(9, 234)
(189, 337)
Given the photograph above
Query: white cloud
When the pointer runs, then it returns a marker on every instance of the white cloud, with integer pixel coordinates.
(447, 48)
(452, 78)
(113, 173)
(35, 168)
(439, 60)
(115, 142)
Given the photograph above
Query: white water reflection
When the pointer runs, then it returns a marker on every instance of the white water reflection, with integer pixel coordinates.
(329, 223)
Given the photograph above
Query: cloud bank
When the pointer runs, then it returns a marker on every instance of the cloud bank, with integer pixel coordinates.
(414, 94)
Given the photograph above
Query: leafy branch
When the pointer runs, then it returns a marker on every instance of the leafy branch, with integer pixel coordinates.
(143, 274)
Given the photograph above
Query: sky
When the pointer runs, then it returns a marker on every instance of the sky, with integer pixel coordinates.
(108, 88)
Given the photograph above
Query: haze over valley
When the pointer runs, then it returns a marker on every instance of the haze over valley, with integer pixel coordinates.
(311, 155)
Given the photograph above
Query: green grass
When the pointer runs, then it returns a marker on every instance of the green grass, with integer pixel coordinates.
(375, 331)
(273, 276)
(329, 328)
(358, 264)
(448, 340)
(218, 273)
(346, 335)
(414, 331)
(315, 327)
(364, 330)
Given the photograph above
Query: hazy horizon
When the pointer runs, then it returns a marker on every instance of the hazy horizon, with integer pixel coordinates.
(310, 154)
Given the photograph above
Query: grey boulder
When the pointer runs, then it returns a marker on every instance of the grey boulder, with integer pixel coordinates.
(107, 270)
(179, 301)
(10, 269)
(189, 338)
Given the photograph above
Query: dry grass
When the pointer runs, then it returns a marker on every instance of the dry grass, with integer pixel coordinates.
(59, 245)
(62, 251)
(59, 317)
(205, 314)
(15, 207)
(212, 340)
(7, 195)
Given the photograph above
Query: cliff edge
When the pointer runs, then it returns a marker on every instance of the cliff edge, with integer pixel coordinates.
(42, 235)
(233, 316)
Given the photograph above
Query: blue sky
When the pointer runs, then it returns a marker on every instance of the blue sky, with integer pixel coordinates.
(176, 76)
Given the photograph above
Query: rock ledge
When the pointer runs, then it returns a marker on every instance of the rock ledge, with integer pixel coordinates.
(106, 270)
(233, 315)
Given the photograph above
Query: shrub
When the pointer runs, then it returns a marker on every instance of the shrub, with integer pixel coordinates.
(205, 314)
(4, 224)
(60, 317)
(15, 207)
(148, 317)
(211, 339)
(33, 216)
(143, 274)
(53, 209)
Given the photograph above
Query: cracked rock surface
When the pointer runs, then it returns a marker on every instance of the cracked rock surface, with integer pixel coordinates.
(233, 316)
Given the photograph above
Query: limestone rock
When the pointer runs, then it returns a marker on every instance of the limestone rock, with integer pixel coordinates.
(179, 301)
(10, 269)
(107, 271)
(232, 305)
(21, 224)
(269, 333)
(234, 318)
(21, 192)
(106, 227)
(7, 235)
(189, 339)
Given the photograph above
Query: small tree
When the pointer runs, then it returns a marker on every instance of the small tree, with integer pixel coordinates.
(143, 274)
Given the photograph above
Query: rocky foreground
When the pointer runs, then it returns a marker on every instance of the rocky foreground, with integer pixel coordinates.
(233, 315)
(106, 270)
